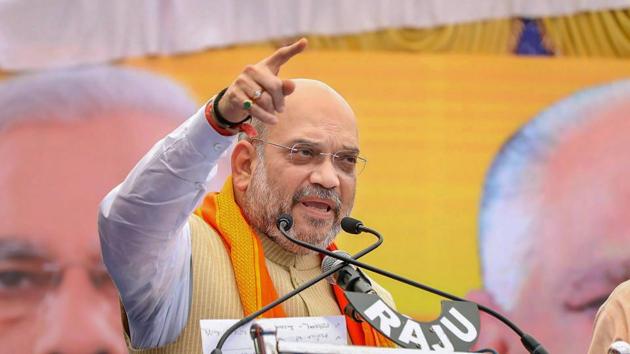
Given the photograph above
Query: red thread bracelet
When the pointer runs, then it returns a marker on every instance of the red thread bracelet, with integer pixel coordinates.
(246, 128)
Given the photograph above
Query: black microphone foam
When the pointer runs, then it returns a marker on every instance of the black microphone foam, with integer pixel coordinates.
(285, 222)
(351, 225)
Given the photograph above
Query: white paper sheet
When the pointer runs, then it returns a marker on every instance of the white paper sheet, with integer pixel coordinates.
(330, 330)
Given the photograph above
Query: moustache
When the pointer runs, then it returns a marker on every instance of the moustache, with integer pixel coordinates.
(319, 192)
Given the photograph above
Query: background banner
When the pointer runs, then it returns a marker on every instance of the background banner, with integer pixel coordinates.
(430, 127)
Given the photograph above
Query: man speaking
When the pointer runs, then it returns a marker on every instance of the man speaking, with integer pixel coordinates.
(227, 259)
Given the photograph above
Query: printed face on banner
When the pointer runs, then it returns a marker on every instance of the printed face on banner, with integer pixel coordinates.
(585, 236)
(580, 233)
(55, 295)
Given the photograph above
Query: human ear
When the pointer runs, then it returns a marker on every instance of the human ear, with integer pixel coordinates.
(243, 164)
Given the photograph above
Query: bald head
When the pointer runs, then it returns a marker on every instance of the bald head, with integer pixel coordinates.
(310, 96)
(316, 89)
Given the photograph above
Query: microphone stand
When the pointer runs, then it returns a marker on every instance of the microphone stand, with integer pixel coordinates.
(234, 327)
(529, 342)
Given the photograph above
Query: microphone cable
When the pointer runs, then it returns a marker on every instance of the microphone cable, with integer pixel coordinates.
(528, 341)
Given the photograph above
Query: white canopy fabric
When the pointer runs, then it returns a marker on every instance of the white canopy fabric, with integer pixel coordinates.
(39, 34)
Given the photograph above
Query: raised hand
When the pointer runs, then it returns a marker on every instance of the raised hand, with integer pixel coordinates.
(259, 87)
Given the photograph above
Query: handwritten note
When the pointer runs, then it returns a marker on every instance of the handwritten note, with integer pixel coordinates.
(330, 330)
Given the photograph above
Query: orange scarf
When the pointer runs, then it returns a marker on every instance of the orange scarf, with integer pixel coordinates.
(254, 284)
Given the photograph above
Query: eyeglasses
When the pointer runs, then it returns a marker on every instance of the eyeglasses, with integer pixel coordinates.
(24, 285)
(347, 162)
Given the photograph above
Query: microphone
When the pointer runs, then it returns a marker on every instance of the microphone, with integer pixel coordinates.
(529, 342)
(351, 225)
(286, 221)
(348, 277)
(348, 224)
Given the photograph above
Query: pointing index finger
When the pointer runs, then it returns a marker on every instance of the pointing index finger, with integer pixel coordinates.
(282, 55)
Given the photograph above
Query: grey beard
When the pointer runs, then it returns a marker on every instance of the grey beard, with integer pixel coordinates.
(263, 207)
